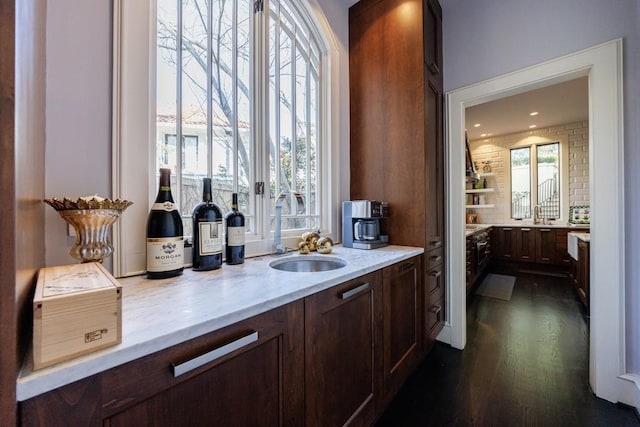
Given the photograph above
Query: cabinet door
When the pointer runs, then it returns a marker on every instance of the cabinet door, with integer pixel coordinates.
(507, 243)
(470, 262)
(562, 254)
(254, 377)
(402, 301)
(545, 246)
(526, 249)
(583, 272)
(434, 304)
(343, 370)
(248, 374)
(432, 28)
(434, 151)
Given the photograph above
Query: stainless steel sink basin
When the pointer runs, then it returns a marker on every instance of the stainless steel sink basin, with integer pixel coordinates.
(307, 264)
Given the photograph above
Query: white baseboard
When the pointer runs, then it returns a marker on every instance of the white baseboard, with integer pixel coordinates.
(629, 386)
(445, 334)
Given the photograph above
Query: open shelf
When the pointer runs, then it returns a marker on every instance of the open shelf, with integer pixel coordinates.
(479, 190)
(480, 206)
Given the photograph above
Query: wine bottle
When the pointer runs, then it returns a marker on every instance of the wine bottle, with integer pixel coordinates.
(165, 244)
(234, 239)
(207, 232)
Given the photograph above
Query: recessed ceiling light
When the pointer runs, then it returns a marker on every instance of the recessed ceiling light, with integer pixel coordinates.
(533, 113)
(483, 135)
(532, 126)
(477, 125)
(489, 134)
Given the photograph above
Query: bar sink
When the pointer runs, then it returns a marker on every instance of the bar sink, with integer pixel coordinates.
(308, 264)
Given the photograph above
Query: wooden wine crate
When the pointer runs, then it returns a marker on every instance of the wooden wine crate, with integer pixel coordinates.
(77, 309)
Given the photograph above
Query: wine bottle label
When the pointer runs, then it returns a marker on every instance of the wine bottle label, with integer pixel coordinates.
(165, 253)
(235, 236)
(165, 206)
(210, 237)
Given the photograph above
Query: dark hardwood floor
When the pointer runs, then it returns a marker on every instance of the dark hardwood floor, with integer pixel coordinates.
(525, 364)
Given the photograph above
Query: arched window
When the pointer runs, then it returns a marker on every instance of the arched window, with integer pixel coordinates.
(239, 94)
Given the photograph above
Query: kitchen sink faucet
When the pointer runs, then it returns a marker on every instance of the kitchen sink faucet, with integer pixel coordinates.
(278, 248)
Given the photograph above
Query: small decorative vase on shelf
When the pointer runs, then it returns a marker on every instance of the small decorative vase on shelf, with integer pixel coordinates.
(91, 217)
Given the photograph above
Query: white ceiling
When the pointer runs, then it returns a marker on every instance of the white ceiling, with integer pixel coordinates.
(557, 104)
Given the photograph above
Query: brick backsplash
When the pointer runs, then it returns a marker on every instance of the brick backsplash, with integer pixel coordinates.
(496, 149)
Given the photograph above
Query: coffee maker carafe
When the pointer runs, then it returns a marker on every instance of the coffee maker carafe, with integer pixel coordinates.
(361, 224)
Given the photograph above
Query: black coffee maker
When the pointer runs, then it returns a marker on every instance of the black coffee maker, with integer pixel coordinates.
(361, 224)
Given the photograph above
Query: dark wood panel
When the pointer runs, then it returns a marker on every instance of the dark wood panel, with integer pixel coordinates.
(219, 396)
(432, 16)
(386, 86)
(562, 254)
(402, 299)
(343, 370)
(526, 244)
(260, 383)
(545, 245)
(77, 404)
(507, 243)
(8, 336)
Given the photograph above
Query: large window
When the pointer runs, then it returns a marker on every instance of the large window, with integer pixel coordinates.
(243, 92)
(540, 165)
(238, 84)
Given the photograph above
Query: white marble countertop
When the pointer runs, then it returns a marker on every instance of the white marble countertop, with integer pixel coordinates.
(581, 235)
(157, 314)
(473, 228)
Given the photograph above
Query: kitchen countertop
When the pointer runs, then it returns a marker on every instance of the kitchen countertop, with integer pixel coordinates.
(581, 235)
(480, 227)
(157, 314)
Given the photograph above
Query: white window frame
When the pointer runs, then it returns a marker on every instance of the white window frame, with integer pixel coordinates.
(134, 56)
(563, 163)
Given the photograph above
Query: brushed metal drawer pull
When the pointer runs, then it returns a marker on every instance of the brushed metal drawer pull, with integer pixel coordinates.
(436, 243)
(407, 266)
(196, 362)
(507, 229)
(545, 229)
(435, 309)
(437, 273)
(526, 229)
(351, 292)
(436, 258)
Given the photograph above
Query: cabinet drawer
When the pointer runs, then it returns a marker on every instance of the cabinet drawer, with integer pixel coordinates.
(434, 258)
(434, 314)
(435, 279)
(262, 336)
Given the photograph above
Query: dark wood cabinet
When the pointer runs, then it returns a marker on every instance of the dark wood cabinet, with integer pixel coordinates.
(583, 274)
(562, 254)
(250, 373)
(545, 245)
(526, 244)
(402, 295)
(506, 243)
(343, 367)
(396, 123)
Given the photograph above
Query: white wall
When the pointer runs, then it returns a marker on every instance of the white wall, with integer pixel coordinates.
(78, 111)
(488, 38)
(496, 149)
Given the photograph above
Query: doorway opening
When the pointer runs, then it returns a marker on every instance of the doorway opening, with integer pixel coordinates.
(602, 65)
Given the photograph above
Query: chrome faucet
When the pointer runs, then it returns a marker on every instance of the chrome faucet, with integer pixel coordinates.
(278, 248)
(536, 214)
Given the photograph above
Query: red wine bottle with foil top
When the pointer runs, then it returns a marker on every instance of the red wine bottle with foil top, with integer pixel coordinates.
(207, 232)
(165, 244)
(234, 249)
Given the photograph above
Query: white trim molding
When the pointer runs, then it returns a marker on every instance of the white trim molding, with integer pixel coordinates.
(602, 64)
